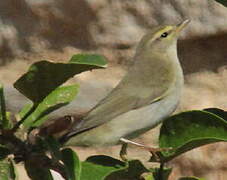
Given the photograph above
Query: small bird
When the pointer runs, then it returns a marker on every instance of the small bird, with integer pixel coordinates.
(147, 94)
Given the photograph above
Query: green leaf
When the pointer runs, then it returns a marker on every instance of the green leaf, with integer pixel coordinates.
(104, 167)
(25, 110)
(191, 178)
(59, 97)
(72, 164)
(7, 170)
(9, 123)
(134, 169)
(5, 121)
(44, 76)
(219, 112)
(13, 171)
(161, 174)
(4, 152)
(35, 170)
(92, 59)
(3, 118)
(223, 2)
(189, 130)
(147, 176)
(99, 167)
(54, 148)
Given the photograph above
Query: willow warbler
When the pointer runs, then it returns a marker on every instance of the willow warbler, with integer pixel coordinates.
(147, 94)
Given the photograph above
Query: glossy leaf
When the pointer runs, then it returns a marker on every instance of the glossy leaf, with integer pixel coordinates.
(219, 112)
(147, 176)
(13, 171)
(161, 174)
(3, 118)
(190, 178)
(7, 170)
(223, 2)
(56, 99)
(44, 76)
(53, 147)
(92, 59)
(35, 170)
(25, 110)
(99, 167)
(104, 167)
(189, 130)
(3, 152)
(134, 169)
(72, 164)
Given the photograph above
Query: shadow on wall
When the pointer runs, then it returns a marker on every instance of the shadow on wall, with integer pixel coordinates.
(203, 53)
(17, 22)
(67, 24)
(60, 23)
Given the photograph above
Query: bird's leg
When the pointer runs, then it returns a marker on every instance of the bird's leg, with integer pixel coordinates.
(123, 152)
(152, 150)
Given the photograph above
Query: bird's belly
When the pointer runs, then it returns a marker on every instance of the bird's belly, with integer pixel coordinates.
(128, 125)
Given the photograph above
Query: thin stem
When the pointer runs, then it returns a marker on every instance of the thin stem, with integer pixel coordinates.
(3, 108)
(160, 172)
(25, 117)
(123, 152)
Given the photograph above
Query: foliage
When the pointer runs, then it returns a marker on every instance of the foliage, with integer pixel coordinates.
(42, 84)
(223, 2)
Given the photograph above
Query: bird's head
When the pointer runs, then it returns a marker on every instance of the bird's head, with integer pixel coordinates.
(161, 39)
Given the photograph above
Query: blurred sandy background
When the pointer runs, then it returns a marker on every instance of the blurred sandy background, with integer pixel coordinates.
(55, 30)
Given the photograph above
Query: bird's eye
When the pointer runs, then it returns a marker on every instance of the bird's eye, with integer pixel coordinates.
(165, 34)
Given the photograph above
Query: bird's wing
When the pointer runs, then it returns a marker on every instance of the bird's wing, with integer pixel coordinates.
(108, 108)
(159, 95)
(114, 105)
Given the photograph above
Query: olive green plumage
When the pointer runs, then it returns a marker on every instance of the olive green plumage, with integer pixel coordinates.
(147, 94)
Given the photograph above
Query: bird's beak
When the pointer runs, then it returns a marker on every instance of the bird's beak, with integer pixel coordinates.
(182, 25)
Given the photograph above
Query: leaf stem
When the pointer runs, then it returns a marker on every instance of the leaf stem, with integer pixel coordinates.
(33, 108)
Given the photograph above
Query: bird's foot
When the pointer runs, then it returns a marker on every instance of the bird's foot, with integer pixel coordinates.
(123, 152)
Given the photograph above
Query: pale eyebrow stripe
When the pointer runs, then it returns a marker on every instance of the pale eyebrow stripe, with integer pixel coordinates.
(166, 29)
